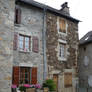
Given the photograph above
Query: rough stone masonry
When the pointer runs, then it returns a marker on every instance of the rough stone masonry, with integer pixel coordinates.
(6, 43)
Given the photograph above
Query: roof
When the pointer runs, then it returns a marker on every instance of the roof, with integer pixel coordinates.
(48, 8)
(86, 38)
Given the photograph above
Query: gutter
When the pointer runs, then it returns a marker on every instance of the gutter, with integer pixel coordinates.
(44, 45)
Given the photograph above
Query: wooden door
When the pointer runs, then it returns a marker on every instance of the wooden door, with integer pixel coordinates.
(55, 78)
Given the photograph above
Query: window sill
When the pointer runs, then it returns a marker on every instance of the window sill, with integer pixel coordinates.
(62, 59)
(62, 41)
(17, 25)
(22, 51)
(61, 33)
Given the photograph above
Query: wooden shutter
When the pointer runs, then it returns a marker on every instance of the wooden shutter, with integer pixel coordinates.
(62, 26)
(15, 41)
(17, 15)
(35, 44)
(68, 79)
(16, 75)
(34, 75)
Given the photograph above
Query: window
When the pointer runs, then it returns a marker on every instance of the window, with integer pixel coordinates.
(24, 43)
(17, 15)
(62, 25)
(24, 75)
(68, 79)
(62, 50)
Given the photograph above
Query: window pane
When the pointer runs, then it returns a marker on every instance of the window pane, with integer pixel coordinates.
(27, 39)
(21, 38)
(27, 43)
(62, 51)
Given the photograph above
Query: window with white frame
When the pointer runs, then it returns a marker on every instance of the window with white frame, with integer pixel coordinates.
(62, 50)
(24, 43)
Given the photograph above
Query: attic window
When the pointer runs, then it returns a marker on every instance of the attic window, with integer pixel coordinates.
(86, 38)
(17, 15)
(62, 26)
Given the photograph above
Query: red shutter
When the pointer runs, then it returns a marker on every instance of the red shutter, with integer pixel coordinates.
(15, 41)
(34, 75)
(17, 15)
(35, 44)
(15, 75)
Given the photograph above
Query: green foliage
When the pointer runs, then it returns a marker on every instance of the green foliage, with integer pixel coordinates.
(22, 88)
(50, 84)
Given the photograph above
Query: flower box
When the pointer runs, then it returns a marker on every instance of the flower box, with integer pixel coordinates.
(46, 89)
(30, 90)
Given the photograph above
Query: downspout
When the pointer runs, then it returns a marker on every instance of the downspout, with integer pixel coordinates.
(44, 45)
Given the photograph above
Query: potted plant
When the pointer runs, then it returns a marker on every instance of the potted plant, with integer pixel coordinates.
(14, 87)
(38, 87)
(49, 85)
(22, 89)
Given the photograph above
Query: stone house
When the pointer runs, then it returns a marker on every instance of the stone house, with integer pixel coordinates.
(62, 49)
(84, 63)
(37, 42)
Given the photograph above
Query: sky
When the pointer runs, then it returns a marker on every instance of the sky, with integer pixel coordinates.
(79, 9)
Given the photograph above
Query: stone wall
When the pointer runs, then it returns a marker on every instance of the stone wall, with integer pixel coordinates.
(31, 25)
(6, 43)
(71, 38)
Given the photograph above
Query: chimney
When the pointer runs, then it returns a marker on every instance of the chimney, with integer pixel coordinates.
(65, 9)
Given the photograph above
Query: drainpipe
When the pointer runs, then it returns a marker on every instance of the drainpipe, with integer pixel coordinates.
(44, 45)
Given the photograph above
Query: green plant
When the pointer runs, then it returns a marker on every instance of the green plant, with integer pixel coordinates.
(50, 84)
(22, 88)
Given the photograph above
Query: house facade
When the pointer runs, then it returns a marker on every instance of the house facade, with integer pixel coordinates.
(28, 50)
(37, 42)
(84, 63)
(62, 51)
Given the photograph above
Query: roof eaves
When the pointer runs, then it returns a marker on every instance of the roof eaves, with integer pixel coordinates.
(43, 6)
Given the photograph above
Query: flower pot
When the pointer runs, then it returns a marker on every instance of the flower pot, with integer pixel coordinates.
(46, 89)
(30, 90)
(39, 90)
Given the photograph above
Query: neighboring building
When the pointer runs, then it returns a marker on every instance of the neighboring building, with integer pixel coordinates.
(40, 42)
(85, 63)
(6, 43)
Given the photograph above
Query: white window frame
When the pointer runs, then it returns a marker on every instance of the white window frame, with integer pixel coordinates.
(29, 49)
(62, 49)
(58, 26)
(65, 57)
